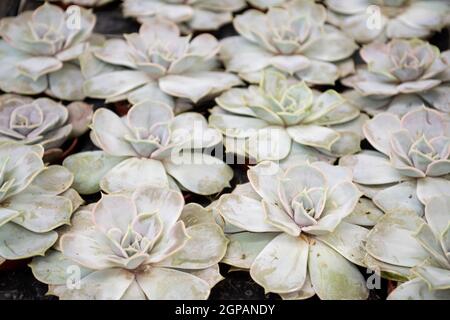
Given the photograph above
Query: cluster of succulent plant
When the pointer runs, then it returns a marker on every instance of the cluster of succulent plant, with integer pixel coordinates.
(334, 180)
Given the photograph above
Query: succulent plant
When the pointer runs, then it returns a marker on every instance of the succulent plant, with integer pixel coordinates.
(39, 51)
(403, 246)
(140, 246)
(412, 163)
(150, 147)
(284, 119)
(42, 121)
(84, 3)
(401, 74)
(293, 39)
(369, 20)
(291, 231)
(34, 199)
(156, 64)
(191, 14)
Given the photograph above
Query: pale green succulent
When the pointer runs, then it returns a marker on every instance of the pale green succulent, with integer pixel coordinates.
(150, 146)
(369, 20)
(147, 245)
(292, 38)
(293, 229)
(34, 200)
(190, 15)
(282, 119)
(42, 121)
(401, 75)
(403, 246)
(412, 161)
(39, 51)
(156, 64)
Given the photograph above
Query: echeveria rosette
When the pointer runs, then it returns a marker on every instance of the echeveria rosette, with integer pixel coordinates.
(42, 121)
(396, 19)
(84, 3)
(39, 52)
(412, 163)
(400, 75)
(283, 119)
(156, 64)
(414, 250)
(190, 15)
(146, 245)
(293, 38)
(288, 228)
(34, 200)
(150, 146)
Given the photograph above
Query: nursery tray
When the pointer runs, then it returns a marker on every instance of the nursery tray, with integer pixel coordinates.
(19, 283)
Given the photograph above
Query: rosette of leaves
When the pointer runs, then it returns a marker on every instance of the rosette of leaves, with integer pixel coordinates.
(34, 200)
(190, 15)
(293, 38)
(146, 245)
(412, 161)
(414, 250)
(370, 20)
(150, 147)
(157, 63)
(84, 3)
(42, 121)
(401, 74)
(292, 228)
(39, 51)
(282, 119)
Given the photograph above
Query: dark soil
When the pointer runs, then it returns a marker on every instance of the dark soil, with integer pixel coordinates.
(19, 284)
